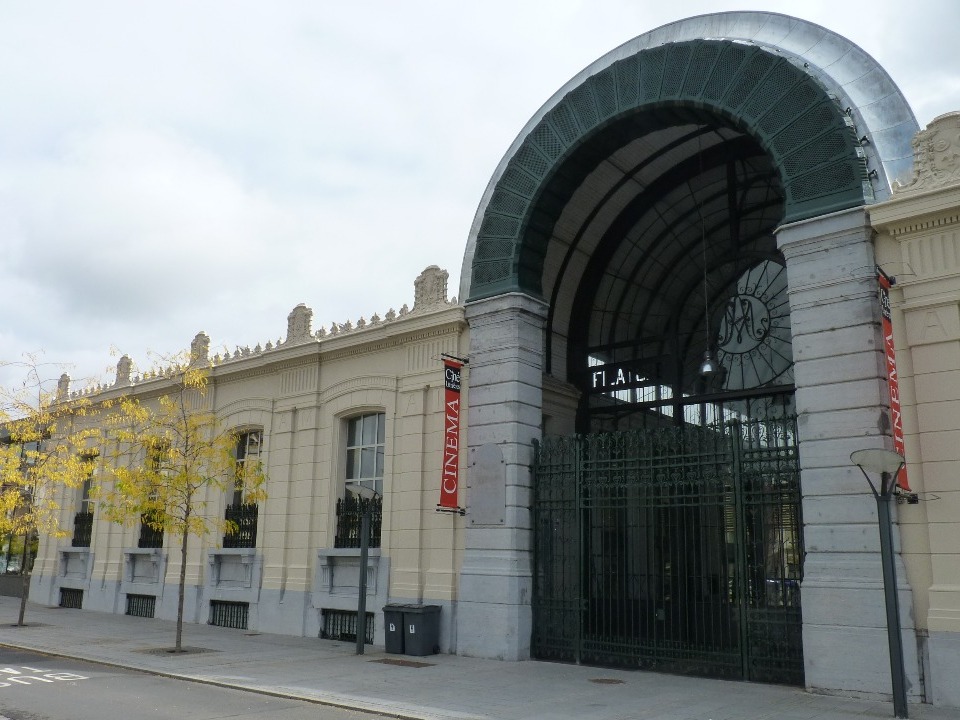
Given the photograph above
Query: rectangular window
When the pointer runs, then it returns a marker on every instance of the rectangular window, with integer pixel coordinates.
(71, 598)
(248, 451)
(141, 605)
(365, 442)
(83, 520)
(151, 525)
(342, 625)
(241, 514)
(228, 614)
(364, 466)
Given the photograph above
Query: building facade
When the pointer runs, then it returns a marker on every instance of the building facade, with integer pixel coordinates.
(359, 403)
(674, 347)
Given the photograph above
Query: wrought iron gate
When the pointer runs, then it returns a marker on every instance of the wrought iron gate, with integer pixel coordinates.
(676, 549)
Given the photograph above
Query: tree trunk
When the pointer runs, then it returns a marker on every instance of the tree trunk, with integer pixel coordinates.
(183, 582)
(26, 580)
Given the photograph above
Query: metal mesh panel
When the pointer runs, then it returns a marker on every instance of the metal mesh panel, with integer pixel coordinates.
(561, 117)
(788, 107)
(581, 99)
(776, 83)
(747, 80)
(675, 69)
(818, 153)
(71, 598)
(229, 614)
(605, 93)
(547, 140)
(810, 125)
(821, 181)
(628, 81)
(141, 605)
(651, 72)
(675, 549)
(531, 160)
(730, 61)
(507, 203)
(698, 71)
(497, 226)
(518, 181)
(490, 272)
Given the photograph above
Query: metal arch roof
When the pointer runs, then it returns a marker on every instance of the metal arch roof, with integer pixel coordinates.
(840, 68)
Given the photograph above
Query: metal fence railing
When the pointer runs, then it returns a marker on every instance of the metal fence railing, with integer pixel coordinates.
(244, 516)
(350, 512)
(82, 529)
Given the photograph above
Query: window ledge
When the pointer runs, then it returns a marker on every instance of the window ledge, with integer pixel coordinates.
(232, 552)
(347, 552)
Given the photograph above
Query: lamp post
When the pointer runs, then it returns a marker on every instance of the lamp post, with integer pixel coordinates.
(365, 497)
(888, 464)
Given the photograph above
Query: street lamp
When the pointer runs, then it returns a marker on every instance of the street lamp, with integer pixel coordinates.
(365, 497)
(888, 464)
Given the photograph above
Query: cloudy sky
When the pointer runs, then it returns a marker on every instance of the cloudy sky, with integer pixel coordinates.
(170, 167)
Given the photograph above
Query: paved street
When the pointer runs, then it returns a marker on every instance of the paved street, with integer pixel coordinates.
(55, 688)
(432, 688)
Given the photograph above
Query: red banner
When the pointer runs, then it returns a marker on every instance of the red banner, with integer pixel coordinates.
(450, 477)
(893, 380)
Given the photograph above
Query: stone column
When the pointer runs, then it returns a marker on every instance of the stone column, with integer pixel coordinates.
(504, 417)
(842, 406)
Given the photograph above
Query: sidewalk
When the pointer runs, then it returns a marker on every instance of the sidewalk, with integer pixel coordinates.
(434, 687)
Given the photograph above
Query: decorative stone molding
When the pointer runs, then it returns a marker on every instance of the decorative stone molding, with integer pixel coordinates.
(430, 289)
(63, 387)
(124, 366)
(936, 156)
(299, 323)
(200, 349)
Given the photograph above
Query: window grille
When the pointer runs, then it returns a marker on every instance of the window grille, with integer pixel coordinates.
(342, 625)
(245, 517)
(141, 605)
(82, 529)
(350, 511)
(229, 614)
(149, 537)
(71, 598)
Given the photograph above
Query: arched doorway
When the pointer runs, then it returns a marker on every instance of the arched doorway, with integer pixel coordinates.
(663, 204)
(667, 532)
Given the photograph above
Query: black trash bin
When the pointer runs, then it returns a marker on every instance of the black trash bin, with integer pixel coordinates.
(421, 629)
(393, 628)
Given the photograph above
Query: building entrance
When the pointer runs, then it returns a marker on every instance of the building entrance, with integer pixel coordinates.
(677, 549)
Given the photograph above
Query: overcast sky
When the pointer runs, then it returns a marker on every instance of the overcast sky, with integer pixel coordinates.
(170, 167)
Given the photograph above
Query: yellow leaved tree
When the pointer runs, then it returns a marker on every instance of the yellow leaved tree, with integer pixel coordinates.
(167, 451)
(46, 443)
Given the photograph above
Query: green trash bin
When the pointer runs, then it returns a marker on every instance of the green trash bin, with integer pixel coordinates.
(393, 628)
(421, 629)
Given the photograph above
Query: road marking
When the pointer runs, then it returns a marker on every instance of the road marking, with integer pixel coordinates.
(12, 676)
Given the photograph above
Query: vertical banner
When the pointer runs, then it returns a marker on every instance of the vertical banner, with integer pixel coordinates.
(893, 380)
(450, 476)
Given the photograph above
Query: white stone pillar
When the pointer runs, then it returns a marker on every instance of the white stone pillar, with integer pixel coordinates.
(842, 406)
(504, 417)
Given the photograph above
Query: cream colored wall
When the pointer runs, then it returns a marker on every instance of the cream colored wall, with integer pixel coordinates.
(301, 394)
(918, 241)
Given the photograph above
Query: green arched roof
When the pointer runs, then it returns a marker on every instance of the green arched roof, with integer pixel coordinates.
(808, 136)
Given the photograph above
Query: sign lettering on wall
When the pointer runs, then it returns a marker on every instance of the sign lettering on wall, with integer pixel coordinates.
(893, 380)
(450, 473)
